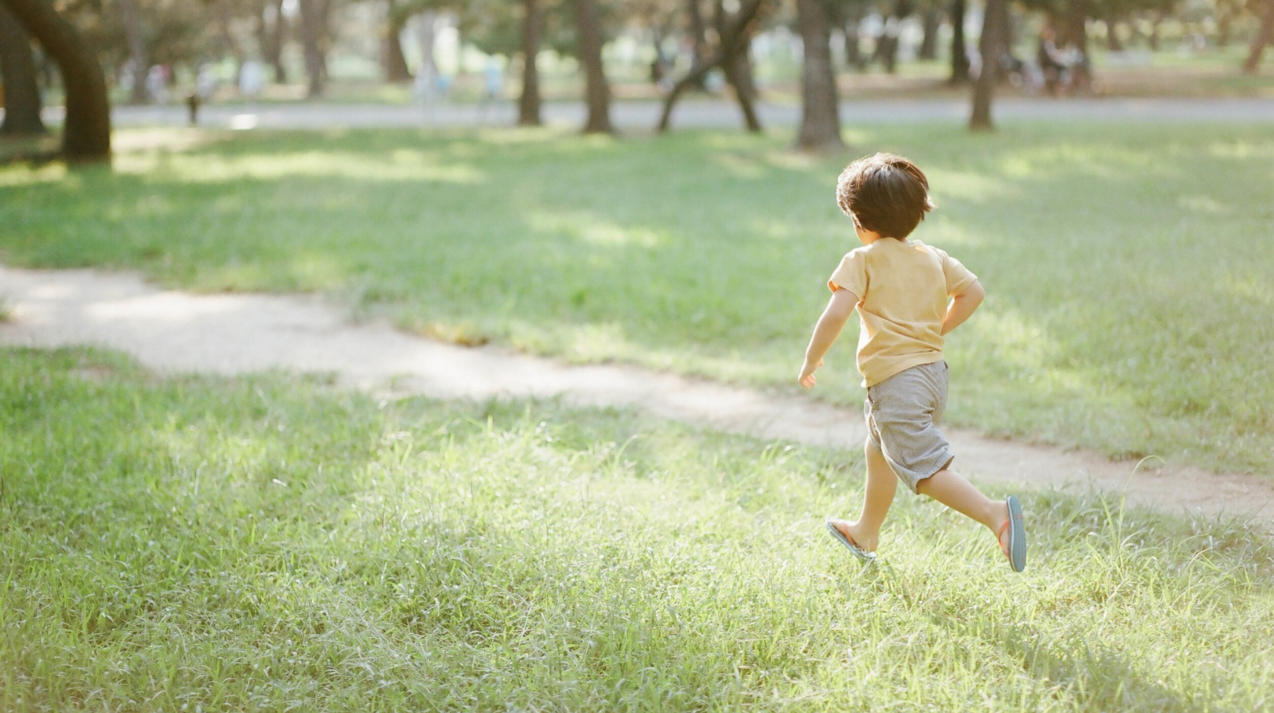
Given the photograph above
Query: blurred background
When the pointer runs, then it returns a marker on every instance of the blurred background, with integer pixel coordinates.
(466, 60)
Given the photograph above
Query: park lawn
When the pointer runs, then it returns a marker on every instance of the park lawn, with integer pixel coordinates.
(1127, 266)
(276, 543)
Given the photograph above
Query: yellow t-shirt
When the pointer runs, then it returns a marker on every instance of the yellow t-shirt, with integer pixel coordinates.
(902, 288)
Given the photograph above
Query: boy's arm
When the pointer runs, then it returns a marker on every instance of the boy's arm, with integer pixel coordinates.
(839, 309)
(963, 305)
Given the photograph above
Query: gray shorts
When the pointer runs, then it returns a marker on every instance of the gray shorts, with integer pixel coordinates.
(901, 412)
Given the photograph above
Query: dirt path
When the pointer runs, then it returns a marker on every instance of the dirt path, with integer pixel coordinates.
(237, 334)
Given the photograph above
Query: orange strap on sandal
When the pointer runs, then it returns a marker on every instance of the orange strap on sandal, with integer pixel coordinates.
(999, 539)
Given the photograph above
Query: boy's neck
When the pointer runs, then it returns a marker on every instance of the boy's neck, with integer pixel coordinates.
(867, 237)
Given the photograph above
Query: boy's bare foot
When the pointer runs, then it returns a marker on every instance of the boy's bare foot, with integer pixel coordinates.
(858, 539)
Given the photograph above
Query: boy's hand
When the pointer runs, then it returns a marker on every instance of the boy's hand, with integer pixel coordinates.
(807, 378)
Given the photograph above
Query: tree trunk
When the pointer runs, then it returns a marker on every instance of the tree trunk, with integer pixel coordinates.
(736, 64)
(392, 59)
(279, 38)
(991, 46)
(820, 113)
(848, 17)
(529, 102)
(890, 34)
(86, 135)
(588, 26)
(931, 20)
(1263, 37)
(311, 35)
(271, 29)
(853, 39)
(1079, 38)
(699, 37)
(21, 93)
(731, 40)
(1112, 36)
(738, 72)
(959, 55)
(136, 49)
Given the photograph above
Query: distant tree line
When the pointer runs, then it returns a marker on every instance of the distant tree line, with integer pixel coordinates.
(77, 39)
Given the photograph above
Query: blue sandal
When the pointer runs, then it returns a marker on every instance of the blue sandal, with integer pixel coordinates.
(860, 553)
(1016, 549)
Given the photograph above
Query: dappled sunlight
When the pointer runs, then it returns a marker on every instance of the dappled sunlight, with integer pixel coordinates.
(599, 341)
(522, 136)
(1242, 150)
(944, 232)
(26, 175)
(1020, 349)
(175, 139)
(403, 165)
(1203, 204)
(1110, 161)
(739, 166)
(971, 187)
(590, 228)
(163, 307)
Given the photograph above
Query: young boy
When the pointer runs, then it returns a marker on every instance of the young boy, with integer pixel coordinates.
(901, 289)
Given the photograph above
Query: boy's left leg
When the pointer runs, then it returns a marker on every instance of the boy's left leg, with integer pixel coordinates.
(951, 489)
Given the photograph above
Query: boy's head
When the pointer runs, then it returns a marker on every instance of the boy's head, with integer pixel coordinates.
(884, 193)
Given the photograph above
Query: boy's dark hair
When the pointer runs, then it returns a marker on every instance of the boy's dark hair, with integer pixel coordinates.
(884, 193)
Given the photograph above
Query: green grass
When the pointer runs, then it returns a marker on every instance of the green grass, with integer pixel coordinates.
(275, 544)
(1127, 267)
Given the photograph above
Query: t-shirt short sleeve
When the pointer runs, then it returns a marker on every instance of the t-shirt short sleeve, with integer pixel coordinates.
(850, 275)
(957, 275)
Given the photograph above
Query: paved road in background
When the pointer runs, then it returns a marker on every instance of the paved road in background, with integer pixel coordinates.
(642, 116)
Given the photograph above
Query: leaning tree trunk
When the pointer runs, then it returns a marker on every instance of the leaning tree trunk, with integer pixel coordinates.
(738, 72)
(991, 46)
(529, 102)
(136, 49)
(311, 33)
(820, 113)
(698, 36)
(21, 93)
(86, 135)
(731, 41)
(737, 65)
(588, 24)
(959, 55)
(1263, 37)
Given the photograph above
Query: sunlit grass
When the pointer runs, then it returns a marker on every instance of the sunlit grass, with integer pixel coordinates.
(272, 544)
(1127, 266)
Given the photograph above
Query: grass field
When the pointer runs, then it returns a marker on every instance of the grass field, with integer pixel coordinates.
(274, 544)
(1127, 266)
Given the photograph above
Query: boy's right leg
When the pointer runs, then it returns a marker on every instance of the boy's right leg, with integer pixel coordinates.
(881, 486)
